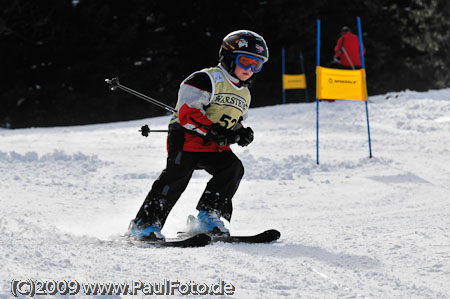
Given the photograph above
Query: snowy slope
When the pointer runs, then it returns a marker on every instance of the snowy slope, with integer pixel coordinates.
(352, 227)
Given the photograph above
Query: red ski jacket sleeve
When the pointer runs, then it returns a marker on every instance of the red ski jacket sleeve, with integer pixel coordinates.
(193, 99)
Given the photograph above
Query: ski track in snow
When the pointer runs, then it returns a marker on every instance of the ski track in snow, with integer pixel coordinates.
(351, 227)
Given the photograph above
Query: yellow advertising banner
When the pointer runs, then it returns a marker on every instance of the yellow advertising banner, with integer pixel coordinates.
(337, 84)
(294, 81)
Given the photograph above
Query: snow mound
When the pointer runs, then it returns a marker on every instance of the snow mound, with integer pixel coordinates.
(57, 160)
(56, 168)
(55, 156)
(293, 167)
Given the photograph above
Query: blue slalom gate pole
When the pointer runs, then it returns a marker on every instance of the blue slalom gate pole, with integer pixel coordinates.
(303, 71)
(317, 99)
(361, 50)
(283, 71)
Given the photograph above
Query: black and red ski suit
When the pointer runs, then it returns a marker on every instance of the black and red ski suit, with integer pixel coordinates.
(188, 150)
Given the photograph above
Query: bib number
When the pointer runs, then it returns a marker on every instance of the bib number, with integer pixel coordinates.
(228, 121)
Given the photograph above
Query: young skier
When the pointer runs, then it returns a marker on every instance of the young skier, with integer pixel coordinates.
(211, 106)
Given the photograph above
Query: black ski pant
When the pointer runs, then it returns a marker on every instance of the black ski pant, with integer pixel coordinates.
(226, 170)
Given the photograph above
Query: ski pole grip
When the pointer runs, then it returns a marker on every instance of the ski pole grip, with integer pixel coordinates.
(145, 130)
(113, 83)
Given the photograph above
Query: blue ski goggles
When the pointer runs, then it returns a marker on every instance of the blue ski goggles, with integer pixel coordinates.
(247, 61)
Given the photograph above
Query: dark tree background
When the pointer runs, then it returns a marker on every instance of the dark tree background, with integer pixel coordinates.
(55, 54)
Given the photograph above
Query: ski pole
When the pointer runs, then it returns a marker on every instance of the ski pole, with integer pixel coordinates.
(145, 130)
(348, 58)
(114, 84)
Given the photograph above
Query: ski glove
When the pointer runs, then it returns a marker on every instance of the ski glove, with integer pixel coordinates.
(144, 130)
(245, 136)
(221, 135)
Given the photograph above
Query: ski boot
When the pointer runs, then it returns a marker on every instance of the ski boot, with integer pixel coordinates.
(147, 231)
(209, 222)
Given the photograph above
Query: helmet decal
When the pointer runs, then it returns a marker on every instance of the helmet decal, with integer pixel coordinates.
(245, 33)
(229, 45)
(259, 48)
(242, 43)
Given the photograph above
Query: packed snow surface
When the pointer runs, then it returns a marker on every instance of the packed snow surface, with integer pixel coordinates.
(351, 227)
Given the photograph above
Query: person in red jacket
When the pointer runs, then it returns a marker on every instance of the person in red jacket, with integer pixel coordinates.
(212, 103)
(347, 50)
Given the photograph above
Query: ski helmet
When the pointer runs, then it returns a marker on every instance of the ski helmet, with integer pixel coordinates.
(242, 41)
(345, 29)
